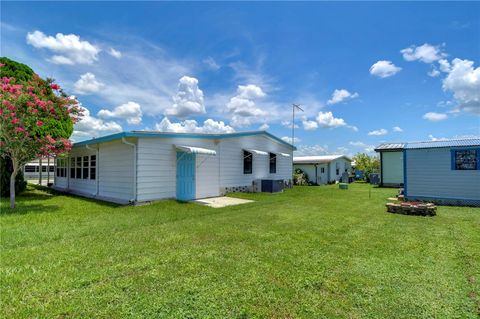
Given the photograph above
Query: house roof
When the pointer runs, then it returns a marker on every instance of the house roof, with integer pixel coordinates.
(317, 159)
(428, 144)
(158, 134)
(444, 143)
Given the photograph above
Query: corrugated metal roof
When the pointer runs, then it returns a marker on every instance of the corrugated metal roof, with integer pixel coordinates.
(390, 146)
(316, 159)
(444, 143)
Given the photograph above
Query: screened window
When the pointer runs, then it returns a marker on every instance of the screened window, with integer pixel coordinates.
(322, 170)
(61, 167)
(465, 159)
(337, 171)
(52, 168)
(72, 167)
(247, 162)
(85, 167)
(30, 169)
(273, 163)
(78, 168)
(93, 166)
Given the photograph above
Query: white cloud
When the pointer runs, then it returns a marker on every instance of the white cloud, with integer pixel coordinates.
(433, 138)
(444, 65)
(340, 96)
(309, 125)
(69, 48)
(367, 148)
(433, 72)
(327, 120)
(115, 53)
(90, 127)
(264, 127)
(463, 80)
(397, 129)
(288, 124)
(87, 84)
(426, 53)
(130, 111)
(384, 69)
(211, 64)
(435, 117)
(289, 140)
(188, 100)
(378, 132)
(191, 126)
(243, 106)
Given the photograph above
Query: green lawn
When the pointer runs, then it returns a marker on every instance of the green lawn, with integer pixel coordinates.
(311, 252)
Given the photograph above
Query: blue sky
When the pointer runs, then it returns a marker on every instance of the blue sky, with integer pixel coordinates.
(365, 73)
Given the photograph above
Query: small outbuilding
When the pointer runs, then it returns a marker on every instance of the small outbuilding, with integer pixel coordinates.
(391, 164)
(323, 169)
(446, 172)
(141, 166)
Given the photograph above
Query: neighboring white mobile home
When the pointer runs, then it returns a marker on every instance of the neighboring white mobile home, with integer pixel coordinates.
(323, 169)
(144, 166)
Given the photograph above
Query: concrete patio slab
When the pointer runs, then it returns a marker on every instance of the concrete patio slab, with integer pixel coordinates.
(222, 201)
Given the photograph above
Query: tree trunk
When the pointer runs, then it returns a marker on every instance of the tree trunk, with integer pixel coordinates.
(40, 175)
(12, 183)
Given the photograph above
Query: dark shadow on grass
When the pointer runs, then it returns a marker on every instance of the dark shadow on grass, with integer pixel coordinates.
(28, 209)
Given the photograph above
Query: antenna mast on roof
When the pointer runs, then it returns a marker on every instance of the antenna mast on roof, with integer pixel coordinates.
(294, 106)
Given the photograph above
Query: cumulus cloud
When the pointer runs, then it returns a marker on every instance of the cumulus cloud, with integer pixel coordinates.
(289, 139)
(397, 129)
(264, 127)
(378, 132)
(384, 69)
(188, 100)
(426, 53)
(130, 111)
(327, 120)
(433, 138)
(463, 80)
(87, 84)
(341, 95)
(115, 53)
(435, 117)
(433, 72)
(366, 147)
(68, 48)
(288, 124)
(191, 126)
(309, 125)
(243, 106)
(90, 127)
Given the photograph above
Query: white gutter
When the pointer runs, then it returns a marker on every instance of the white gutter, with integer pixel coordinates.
(96, 166)
(124, 141)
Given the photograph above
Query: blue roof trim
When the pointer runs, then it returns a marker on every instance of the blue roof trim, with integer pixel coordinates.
(120, 135)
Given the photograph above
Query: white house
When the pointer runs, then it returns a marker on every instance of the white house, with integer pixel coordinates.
(323, 169)
(391, 164)
(140, 166)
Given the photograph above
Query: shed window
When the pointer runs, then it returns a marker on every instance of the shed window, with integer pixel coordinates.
(247, 162)
(85, 167)
(465, 160)
(61, 167)
(338, 171)
(72, 167)
(93, 166)
(78, 168)
(273, 163)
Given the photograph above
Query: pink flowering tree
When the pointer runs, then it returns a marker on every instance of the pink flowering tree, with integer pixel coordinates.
(36, 119)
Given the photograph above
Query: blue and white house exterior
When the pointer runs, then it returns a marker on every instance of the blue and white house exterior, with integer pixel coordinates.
(446, 172)
(142, 166)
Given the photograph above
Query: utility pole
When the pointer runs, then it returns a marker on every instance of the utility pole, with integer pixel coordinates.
(294, 106)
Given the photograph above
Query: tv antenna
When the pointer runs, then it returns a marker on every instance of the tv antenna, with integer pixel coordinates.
(294, 107)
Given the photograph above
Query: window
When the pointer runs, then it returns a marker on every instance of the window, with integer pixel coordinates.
(61, 167)
(247, 162)
(337, 171)
(52, 168)
(29, 169)
(273, 163)
(78, 168)
(72, 167)
(322, 170)
(93, 166)
(85, 167)
(465, 160)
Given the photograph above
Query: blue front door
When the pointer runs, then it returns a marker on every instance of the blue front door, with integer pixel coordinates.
(185, 176)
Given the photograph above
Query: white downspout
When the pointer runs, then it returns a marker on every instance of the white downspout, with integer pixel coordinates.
(97, 162)
(134, 167)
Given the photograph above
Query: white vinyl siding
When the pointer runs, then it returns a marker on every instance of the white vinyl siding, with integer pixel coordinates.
(392, 168)
(429, 174)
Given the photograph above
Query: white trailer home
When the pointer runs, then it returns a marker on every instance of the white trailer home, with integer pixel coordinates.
(323, 169)
(140, 166)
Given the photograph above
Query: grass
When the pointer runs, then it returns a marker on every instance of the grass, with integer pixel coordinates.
(311, 252)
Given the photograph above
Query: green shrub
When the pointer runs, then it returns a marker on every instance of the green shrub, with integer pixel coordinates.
(300, 178)
(5, 172)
